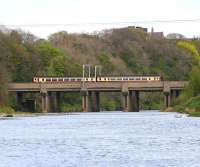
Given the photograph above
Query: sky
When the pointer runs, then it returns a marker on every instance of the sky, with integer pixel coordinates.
(23, 14)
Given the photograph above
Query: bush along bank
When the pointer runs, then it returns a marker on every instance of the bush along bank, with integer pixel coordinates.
(6, 111)
(191, 107)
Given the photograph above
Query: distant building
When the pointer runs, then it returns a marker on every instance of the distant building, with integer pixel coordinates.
(175, 36)
(139, 28)
(156, 35)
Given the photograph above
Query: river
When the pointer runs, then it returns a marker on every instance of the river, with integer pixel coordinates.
(106, 139)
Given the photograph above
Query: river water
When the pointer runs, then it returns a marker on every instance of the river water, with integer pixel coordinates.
(116, 139)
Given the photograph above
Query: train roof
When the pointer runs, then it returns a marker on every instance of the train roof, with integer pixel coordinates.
(99, 76)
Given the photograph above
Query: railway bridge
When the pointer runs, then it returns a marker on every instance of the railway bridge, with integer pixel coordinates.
(50, 92)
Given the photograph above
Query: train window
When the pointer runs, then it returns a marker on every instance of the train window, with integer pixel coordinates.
(137, 78)
(54, 79)
(48, 80)
(125, 79)
(60, 79)
(35, 79)
(72, 79)
(66, 79)
(78, 79)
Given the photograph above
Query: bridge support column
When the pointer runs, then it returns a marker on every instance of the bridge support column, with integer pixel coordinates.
(167, 99)
(94, 101)
(125, 99)
(45, 102)
(53, 101)
(134, 101)
(19, 99)
(85, 100)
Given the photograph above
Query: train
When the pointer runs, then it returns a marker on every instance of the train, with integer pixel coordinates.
(150, 78)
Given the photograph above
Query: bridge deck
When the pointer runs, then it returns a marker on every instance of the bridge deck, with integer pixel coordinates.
(98, 86)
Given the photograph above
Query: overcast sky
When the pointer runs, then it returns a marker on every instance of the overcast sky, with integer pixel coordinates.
(24, 12)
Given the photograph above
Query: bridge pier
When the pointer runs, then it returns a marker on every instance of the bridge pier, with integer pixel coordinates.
(167, 99)
(53, 100)
(45, 102)
(125, 101)
(130, 101)
(90, 101)
(134, 101)
(84, 94)
(94, 101)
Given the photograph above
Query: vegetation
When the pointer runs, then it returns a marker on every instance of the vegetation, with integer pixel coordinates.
(189, 102)
(6, 111)
(118, 51)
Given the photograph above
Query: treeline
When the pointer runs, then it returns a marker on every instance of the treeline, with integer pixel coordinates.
(118, 51)
(189, 101)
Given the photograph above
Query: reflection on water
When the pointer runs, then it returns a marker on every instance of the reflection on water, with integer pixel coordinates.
(100, 139)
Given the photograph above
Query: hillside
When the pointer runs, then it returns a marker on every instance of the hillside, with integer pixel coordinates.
(118, 51)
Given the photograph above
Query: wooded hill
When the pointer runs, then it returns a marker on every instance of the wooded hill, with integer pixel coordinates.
(118, 51)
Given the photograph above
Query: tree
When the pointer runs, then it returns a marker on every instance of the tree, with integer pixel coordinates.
(3, 86)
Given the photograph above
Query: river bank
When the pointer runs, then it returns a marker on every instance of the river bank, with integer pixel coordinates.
(190, 107)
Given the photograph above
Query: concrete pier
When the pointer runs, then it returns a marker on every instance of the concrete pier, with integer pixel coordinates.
(130, 101)
(94, 101)
(167, 99)
(134, 101)
(125, 101)
(84, 94)
(45, 102)
(54, 98)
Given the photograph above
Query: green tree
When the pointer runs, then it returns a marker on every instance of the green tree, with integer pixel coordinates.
(3, 86)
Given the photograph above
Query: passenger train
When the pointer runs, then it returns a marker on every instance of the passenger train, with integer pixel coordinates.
(97, 79)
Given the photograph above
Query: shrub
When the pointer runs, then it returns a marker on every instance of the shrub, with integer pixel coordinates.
(6, 110)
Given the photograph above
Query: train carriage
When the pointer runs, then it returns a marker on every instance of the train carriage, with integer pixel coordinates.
(150, 78)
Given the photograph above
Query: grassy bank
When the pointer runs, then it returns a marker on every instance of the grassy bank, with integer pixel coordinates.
(191, 107)
(10, 112)
(6, 111)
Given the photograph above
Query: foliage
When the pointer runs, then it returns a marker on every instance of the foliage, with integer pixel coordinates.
(3, 86)
(73, 102)
(190, 47)
(70, 108)
(189, 101)
(6, 110)
(119, 51)
(190, 106)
